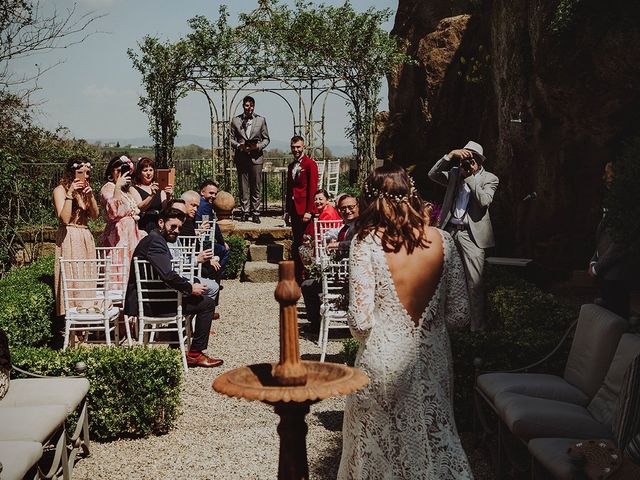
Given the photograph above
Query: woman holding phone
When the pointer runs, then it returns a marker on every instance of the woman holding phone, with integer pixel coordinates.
(152, 199)
(120, 204)
(75, 206)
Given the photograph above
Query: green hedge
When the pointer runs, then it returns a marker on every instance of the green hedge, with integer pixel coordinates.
(135, 392)
(27, 304)
(237, 256)
(528, 325)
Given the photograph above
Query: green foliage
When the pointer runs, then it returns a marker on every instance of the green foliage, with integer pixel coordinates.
(27, 304)
(135, 392)
(623, 214)
(349, 350)
(345, 186)
(476, 68)
(565, 15)
(27, 190)
(237, 256)
(528, 324)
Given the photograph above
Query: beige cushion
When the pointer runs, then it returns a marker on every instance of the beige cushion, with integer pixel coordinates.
(17, 458)
(551, 453)
(529, 417)
(594, 344)
(26, 392)
(604, 404)
(36, 424)
(533, 384)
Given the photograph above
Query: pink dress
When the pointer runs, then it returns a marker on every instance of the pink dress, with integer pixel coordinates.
(122, 221)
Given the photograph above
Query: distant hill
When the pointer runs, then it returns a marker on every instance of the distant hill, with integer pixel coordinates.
(338, 149)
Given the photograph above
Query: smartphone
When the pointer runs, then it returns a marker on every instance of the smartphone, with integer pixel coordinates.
(82, 176)
(205, 218)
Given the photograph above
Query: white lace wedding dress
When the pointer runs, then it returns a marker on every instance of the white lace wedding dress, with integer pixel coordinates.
(401, 425)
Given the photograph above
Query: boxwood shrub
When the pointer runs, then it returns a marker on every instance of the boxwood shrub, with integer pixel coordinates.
(27, 303)
(237, 256)
(135, 392)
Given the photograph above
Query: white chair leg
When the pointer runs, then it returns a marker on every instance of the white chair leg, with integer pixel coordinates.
(67, 332)
(140, 331)
(181, 341)
(127, 329)
(325, 338)
(107, 332)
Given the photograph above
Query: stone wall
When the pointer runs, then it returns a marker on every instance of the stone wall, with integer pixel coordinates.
(549, 108)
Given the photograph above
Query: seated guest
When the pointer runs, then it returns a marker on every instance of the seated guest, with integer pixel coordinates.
(208, 194)
(155, 249)
(311, 288)
(220, 247)
(349, 211)
(324, 210)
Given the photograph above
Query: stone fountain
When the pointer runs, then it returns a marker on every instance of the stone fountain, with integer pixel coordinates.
(291, 385)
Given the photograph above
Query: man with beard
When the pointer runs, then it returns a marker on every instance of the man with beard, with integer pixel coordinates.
(155, 249)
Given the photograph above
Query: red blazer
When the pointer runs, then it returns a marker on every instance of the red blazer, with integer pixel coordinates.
(300, 190)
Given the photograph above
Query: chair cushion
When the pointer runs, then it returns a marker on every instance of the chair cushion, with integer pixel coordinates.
(533, 384)
(551, 453)
(605, 403)
(17, 458)
(35, 424)
(31, 392)
(530, 417)
(594, 344)
(627, 421)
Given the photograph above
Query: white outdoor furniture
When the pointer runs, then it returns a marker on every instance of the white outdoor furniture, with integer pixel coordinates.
(85, 291)
(333, 176)
(335, 278)
(321, 168)
(320, 229)
(118, 278)
(151, 292)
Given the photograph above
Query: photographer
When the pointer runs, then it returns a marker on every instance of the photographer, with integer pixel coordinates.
(465, 214)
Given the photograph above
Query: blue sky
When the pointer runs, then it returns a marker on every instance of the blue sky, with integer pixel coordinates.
(95, 91)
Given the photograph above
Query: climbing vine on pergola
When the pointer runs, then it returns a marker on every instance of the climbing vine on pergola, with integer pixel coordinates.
(346, 51)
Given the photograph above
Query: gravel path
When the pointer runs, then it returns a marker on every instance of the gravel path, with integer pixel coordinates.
(223, 438)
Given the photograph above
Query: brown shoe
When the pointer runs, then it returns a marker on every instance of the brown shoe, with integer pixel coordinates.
(216, 316)
(203, 361)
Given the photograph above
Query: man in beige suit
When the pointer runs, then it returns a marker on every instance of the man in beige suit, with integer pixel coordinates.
(249, 137)
(465, 215)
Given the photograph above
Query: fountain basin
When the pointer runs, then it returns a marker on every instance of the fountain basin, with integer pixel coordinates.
(256, 382)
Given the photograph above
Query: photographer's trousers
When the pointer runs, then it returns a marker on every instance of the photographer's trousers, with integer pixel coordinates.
(473, 261)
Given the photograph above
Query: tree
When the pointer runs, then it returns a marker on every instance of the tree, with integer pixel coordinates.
(26, 29)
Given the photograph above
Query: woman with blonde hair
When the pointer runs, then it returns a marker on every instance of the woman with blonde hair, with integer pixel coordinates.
(406, 284)
(75, 205)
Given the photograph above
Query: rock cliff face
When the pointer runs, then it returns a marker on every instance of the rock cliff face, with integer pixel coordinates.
(549, 107)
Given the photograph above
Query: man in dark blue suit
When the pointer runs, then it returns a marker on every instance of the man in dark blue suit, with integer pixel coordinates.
(154, 248)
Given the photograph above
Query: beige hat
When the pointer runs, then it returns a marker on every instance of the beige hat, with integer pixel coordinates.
(475, 148)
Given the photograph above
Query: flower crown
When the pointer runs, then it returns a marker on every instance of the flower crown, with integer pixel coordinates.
(373, 192)
(77, 165)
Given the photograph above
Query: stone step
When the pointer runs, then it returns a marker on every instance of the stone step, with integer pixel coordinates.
(272, 253)
(260, 272)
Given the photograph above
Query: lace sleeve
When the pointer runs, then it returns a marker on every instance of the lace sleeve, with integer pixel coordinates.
(362, 287)
(457, 311)
(114, 209)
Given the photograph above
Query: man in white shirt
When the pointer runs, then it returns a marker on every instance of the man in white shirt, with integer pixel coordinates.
(465, 215)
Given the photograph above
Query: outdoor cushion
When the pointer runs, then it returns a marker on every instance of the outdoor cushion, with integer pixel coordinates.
(594, 344)
(530, 417)
(551, 453)
(539, 385)
(27, 392)
(627, 422)
(17, 458)
(605, 402)
(36, 424)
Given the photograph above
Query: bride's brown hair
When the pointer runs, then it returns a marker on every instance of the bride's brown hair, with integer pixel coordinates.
(391, 207)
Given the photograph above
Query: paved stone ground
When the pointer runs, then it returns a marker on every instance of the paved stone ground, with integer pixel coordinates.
(223, 438)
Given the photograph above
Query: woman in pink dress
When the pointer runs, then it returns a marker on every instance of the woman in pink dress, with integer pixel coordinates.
(120, 203)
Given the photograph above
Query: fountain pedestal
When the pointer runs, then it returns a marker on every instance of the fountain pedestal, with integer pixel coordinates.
(291, 385)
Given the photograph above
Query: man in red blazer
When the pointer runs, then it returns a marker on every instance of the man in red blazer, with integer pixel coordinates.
(302, 184)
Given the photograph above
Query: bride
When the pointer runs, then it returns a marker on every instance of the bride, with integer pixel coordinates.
(406, 285)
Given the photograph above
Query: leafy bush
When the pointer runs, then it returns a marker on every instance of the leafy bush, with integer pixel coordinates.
(349, 349)
(27, 303)
(345, 186)
(135, 392)
(237, 256)
(528, 323)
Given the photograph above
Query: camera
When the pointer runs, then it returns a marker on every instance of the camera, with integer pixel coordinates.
(124, 168)
(465, 164)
